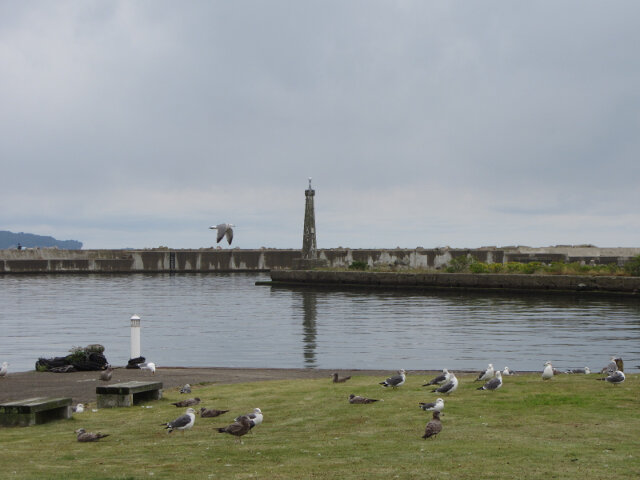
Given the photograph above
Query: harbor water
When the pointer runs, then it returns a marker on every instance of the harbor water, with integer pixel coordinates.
(225, 320)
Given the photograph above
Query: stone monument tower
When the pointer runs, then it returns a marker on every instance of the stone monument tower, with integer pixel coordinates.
(309, 246)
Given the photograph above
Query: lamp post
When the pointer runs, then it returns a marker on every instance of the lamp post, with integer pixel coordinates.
(135, 336)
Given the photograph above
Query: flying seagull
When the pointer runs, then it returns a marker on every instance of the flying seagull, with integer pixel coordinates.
(493, 384)
(223, 229)
(486, 374)
(434, 427)
(255, 417)
(211, 412)
(337, 379)
(547, 373)
(186, 388)
(585, 370)
(4, 369)
(396, 380)
(148, 366)
(615, 378)
(183, 422)
(436, 406)
(237, 428)
(84, 436)
(440, 379)
(358, 399)
(448, 387)
(189, 402)
(105, 375)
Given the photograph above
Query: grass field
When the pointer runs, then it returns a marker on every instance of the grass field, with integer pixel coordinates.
(570, 427)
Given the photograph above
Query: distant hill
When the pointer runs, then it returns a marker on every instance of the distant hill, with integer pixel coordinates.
(29, 240)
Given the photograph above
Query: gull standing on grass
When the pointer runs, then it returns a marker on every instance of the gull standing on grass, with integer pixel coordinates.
(255, 418)
(223, 229)
(237, 428)
(436, 406)
(434, 427)
(396, 380)
(183, 422)
(615, 378)
(547, 373)
(449, 387)
(493, 384)
(486, 374)
(440, 379)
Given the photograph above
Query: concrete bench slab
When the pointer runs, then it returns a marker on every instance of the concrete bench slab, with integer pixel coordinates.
(34, 411)
(127, 394)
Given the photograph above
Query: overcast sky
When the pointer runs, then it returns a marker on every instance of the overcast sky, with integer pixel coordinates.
(423, 123)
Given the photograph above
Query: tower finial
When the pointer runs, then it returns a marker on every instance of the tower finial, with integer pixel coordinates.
(310, 184)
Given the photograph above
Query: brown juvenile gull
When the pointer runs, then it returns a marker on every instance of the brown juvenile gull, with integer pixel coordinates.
(84, 436)
(237, 428)
(336, 379)
(183, 422)
(358, 399)
(434, 427)
(189, 402)
(449, 387)
(486, 374)
(493, 384)
(211, 412)
(615, 378)
(396, 380)
(436, 406)
(106, 375)
(440, 379)
(223, 229)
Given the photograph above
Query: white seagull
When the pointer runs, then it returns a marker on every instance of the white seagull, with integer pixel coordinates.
(493, 384)
(615, 378)
(78, 408)
(223, 229)
(486, 375)
(448, 387)
(183, 422)
(436, 406)
(508, 371)
(255, 418)
(148, 366)
(396, 380)
(585, 370)
(440, 379)
(547, 373)
(4, 369)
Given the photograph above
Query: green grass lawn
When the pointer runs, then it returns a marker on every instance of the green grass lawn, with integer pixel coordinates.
(570, 427)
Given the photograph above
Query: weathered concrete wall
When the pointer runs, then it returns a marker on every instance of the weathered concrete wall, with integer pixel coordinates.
(51, 260)
(538, 283)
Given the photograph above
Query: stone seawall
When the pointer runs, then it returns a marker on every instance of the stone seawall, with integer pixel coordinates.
(627, 286)
(52, 260)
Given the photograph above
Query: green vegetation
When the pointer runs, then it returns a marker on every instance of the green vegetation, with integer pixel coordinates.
(358, 266)
(570, 427)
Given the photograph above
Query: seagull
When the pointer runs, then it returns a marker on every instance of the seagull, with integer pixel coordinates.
(547, 373)
(358, 399)
(486, 375)
(84, 436)
(396, 380)
(585, 370)
(615, 377)
(237, 428)
(336, 379)
(183, 422)
(614, 364)
(255, 418)
(493, 384)
(443, 378)
(186, 388)
(4, 369)
(78, 408)
(224, 229)
(448, 387)
(619, 363)
(211, 412)
(105, 375)
(434, 427)
(436, 406)
(189, 402)
(508, 371)
(148, 366)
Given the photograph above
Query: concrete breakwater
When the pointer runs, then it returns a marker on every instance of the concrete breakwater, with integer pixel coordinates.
(52, 260)
(583, 284)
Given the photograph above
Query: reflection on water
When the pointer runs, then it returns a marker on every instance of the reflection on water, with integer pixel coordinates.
(225, 320)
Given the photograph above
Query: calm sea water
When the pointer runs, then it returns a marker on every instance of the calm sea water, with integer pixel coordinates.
(226, 320)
